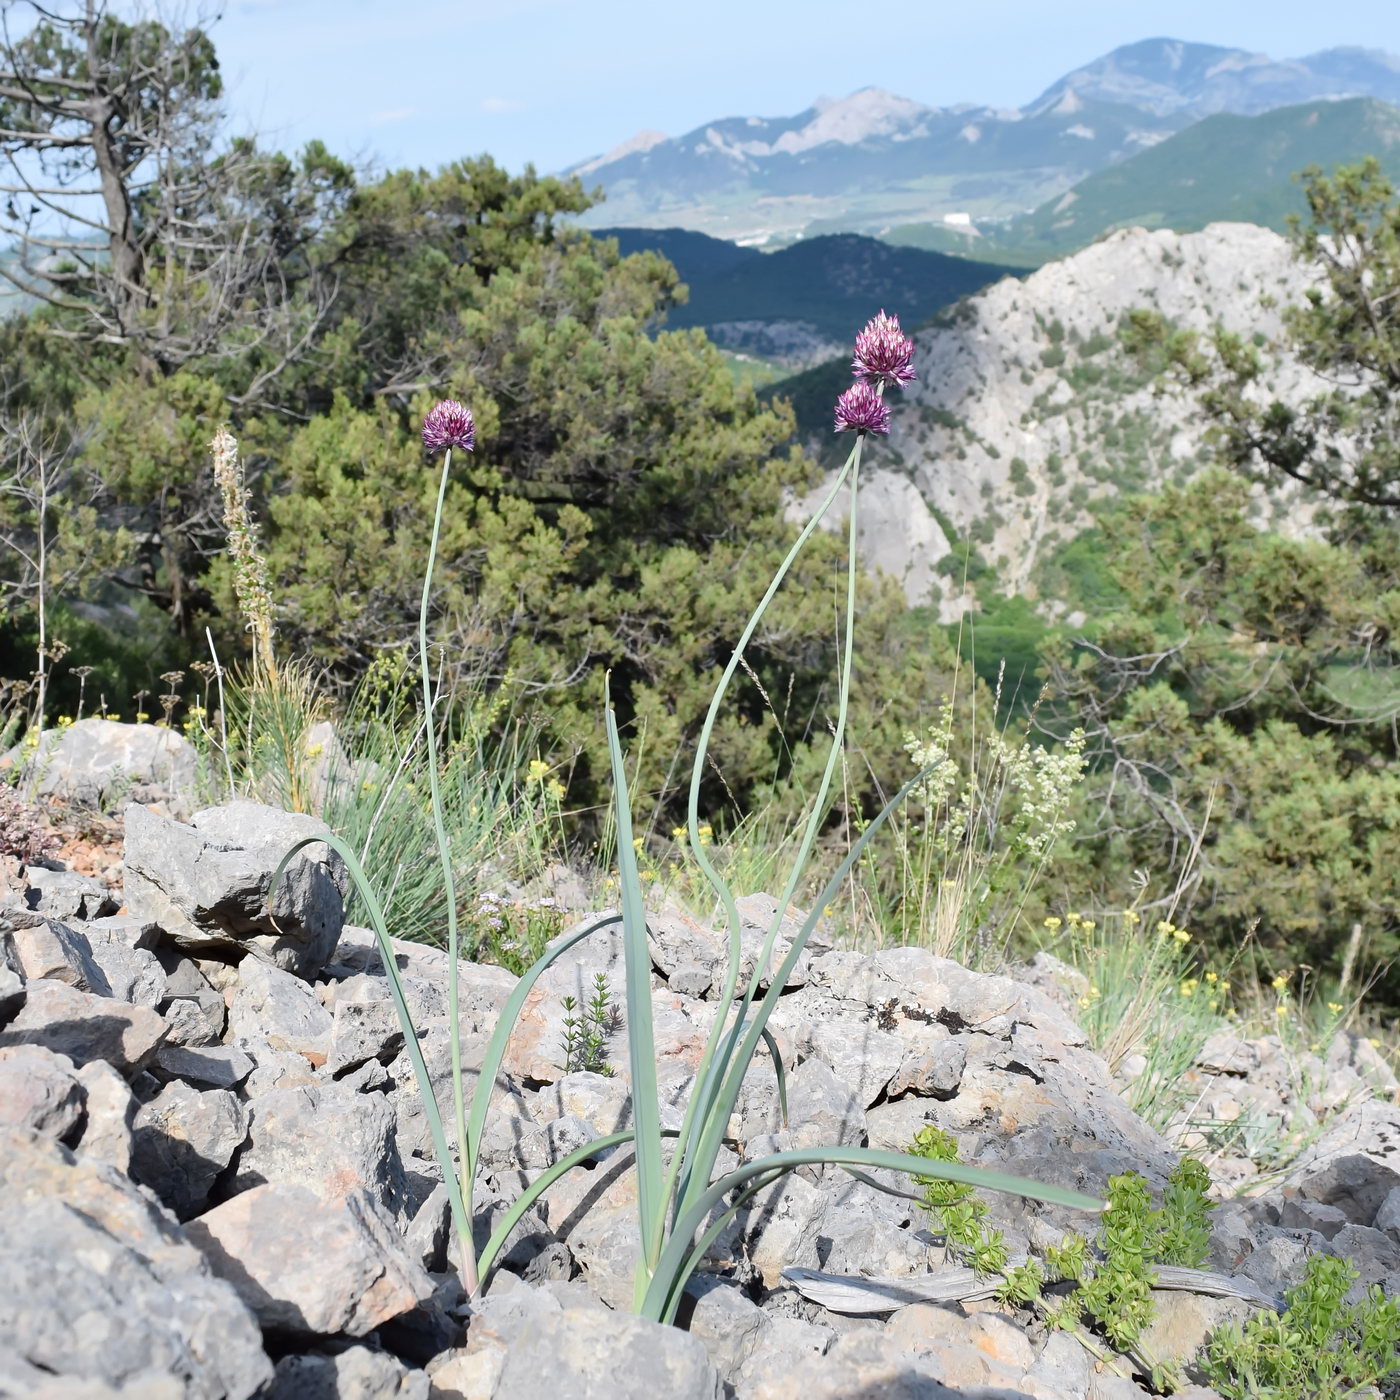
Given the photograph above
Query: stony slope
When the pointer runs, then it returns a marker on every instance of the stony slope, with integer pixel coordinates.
(1027, 410)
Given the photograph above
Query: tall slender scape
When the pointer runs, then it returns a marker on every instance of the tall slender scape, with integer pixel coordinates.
(682, 1209)
(449, 425)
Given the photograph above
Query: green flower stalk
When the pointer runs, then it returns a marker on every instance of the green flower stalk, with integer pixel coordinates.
(449, 425)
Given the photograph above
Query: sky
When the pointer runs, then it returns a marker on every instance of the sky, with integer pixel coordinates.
(552, 82)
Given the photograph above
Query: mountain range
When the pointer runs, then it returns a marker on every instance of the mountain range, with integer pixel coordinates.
(1224, 167)
(873, 161)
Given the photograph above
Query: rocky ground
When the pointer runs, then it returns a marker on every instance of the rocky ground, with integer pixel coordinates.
(217, 1179)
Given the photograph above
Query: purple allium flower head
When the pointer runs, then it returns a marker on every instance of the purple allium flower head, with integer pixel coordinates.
(448, 425)
(883, 352)
(862, 410)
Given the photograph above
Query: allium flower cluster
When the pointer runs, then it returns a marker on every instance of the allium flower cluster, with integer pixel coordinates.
(448, 425)
(884, 353)
(860, 409)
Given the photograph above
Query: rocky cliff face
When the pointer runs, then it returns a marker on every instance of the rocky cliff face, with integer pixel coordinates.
(1027, 409)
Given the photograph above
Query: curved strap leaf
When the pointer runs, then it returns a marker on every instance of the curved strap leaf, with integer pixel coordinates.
(676, 1259)
(641, 1039)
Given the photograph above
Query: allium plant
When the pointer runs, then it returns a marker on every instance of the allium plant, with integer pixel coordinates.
(682, 1208)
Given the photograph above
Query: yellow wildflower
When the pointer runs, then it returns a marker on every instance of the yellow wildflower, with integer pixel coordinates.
(678, 833)
(555, 789)
(537, 770)
(1052, 923)
(1212, 977)
(1335, 1007)
(1281, 1009)
(1131, 917)
(1279, 982)
(1181, 935)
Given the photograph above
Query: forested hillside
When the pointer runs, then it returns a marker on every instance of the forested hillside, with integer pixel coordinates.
(627, 501)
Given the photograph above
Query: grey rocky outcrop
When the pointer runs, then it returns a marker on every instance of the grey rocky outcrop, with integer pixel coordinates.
(1030, 391)
(231, 1128)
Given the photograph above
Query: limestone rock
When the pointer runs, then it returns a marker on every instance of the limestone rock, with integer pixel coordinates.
(207, 884)
(93, 761)
(581, 1354)
(132, 974)
(11, 993)
(327, 1138)
(860, 1363)
(311, 1265)
(183, 1140)
(112, 1290)
(40, 1091)
(85, 1027)
(43, 947)
(207, 1066)
(109, 1118)
(357, 1373)
(66, 895)
(274, 1006)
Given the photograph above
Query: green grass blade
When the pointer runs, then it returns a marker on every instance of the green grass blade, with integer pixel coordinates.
(676, 1262)
(543, 1182)
(818, 812)
(716, 1228)
(641, 1046)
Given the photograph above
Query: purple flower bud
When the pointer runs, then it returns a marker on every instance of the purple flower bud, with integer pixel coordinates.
(883, 352)
(860, 409)
(448, 425)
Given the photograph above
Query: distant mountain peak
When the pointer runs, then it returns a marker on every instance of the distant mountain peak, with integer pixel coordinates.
(635, 145)
(1173, 78)
(872, 112)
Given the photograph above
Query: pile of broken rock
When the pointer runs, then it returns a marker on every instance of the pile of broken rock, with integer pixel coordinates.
(216, 1178)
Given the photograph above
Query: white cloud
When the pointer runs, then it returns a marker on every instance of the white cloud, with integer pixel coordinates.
(393, 114)
(500, 104)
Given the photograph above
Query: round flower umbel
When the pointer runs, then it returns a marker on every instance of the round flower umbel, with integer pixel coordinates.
(448, 425)
(860, 409)
(884, 353)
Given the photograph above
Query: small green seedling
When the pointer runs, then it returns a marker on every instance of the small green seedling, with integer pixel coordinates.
(586, 1034)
